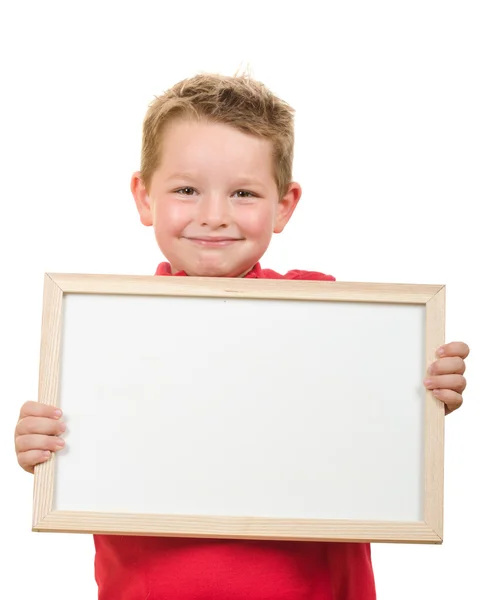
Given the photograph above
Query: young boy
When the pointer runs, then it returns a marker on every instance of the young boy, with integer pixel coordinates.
(215, 184)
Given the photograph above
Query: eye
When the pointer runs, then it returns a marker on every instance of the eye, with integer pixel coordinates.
(186, 191)
(245, 194)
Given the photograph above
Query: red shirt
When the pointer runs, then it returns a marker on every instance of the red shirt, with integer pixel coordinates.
(154, 568)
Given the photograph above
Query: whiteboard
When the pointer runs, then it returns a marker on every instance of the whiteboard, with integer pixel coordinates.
(242, 408)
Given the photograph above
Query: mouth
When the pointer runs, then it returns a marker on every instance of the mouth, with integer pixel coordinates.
(213, 241)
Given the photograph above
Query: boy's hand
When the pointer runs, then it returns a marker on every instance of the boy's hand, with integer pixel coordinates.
(36, 434)
(445, 375)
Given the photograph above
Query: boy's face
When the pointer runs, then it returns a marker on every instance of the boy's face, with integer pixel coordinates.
(213, 201)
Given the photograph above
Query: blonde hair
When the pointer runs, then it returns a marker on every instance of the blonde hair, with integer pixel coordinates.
(238, 101)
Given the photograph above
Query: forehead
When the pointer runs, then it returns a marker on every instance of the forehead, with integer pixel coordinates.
(190, 145)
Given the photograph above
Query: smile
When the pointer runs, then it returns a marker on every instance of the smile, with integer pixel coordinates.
(213, 242)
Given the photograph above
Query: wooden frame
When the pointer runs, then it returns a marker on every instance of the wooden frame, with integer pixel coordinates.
(428, 529)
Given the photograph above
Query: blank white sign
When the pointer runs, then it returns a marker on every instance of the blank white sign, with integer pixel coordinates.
(241, 407)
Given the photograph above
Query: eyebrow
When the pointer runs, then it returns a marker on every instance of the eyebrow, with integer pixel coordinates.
(248, 181)
(181, 176)
(240, 182)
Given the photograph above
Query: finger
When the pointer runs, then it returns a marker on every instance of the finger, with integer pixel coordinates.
(28, 460)
(38, 409)
(39, 425)
(454, 349)
(25, 443)
(445, 366)
(456, 383)
(451, 399)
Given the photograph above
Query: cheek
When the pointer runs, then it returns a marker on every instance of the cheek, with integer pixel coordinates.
(171, 218)
(258, 223)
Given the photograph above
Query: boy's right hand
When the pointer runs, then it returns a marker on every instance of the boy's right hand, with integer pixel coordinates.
(36, 434)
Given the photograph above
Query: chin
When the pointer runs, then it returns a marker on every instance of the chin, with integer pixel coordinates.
(218, 271)
(211, 273)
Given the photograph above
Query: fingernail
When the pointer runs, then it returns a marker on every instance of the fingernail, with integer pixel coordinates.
(46, 453)
(63, 427)
(428, 382)
(60, 442)
(441, 351)
(57, 413)
(429, 370)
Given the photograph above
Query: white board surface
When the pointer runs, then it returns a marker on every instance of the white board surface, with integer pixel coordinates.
(238, 407)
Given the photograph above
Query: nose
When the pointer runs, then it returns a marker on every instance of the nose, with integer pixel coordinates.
(214, 211)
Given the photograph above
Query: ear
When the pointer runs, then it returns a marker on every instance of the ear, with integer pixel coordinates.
(286, 206)
(142, 200)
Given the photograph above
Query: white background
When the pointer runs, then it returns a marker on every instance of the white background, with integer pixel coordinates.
(388, 152)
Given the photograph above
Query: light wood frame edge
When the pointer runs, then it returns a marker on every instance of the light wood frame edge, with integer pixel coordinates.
(428, 531)
(238, 527)
(246, 288)
(49, 373)
(434, 419)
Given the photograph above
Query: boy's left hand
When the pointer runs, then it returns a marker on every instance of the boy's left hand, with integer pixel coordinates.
(445, 375)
